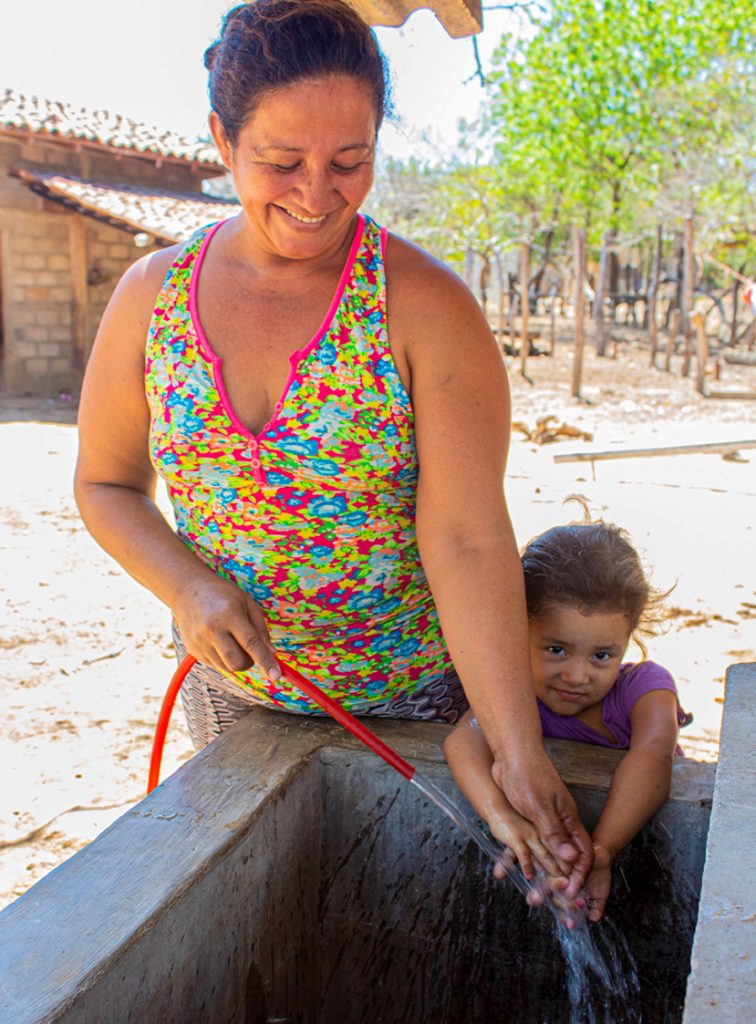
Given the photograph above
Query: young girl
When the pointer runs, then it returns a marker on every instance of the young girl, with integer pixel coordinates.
(587, 596)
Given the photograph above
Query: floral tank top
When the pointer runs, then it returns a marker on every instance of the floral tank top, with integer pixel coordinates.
(314, 516)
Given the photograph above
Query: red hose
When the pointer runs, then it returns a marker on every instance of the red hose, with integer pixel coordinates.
(334, 709)
(354, 725)
(164, 718)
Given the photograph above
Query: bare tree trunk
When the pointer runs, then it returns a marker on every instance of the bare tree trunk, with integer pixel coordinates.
(525, 311)
(578, 258)
(538, 276)
(552, 325)
(598, 302)
(469, 268)
(653, 291)
(689, 275)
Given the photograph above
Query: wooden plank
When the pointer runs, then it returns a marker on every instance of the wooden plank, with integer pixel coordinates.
(634, 453)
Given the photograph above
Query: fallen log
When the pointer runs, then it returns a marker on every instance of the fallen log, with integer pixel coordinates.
(720, 447)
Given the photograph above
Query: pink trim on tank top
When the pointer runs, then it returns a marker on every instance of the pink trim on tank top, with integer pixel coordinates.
(296, 357)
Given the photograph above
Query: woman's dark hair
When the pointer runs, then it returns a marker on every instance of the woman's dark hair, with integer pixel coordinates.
(272, 43)
(594, 567)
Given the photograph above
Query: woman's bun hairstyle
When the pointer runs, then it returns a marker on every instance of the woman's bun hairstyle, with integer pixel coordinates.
(269, 44)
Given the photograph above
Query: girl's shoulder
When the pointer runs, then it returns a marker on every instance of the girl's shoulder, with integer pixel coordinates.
(645, 674)
(639, 678)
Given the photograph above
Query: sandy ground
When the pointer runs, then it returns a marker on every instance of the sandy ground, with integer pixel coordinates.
(86, 653)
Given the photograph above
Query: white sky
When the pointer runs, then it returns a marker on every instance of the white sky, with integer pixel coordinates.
(143, 59)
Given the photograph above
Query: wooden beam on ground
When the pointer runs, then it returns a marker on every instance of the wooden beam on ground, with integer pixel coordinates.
(740, 358)
(730, 393)
(714, 447)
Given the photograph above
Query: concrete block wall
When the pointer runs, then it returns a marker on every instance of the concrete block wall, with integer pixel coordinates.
(43, 345)
(110, 253)
(36, 300)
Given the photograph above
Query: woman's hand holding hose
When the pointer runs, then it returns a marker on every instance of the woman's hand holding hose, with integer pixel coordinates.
(223, 627)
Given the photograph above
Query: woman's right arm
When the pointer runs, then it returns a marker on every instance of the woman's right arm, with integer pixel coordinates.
(115, 488)
(470, 760)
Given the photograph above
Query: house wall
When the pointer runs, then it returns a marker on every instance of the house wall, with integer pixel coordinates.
(58, 268)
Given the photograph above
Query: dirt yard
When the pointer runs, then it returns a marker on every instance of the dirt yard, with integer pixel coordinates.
(87, 653)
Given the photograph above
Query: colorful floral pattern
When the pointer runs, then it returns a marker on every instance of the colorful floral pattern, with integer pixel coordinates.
(315, 516)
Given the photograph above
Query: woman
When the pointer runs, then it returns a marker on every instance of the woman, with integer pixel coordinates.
(329, 411)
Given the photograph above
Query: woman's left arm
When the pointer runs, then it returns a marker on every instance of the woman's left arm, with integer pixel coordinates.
(460, 399)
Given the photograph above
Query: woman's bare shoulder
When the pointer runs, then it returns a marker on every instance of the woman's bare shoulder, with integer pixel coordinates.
(424, 295)
(409, 267)
(129, 310)
(146, 275)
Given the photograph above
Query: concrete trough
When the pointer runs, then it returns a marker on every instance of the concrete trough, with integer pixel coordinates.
(285, 874)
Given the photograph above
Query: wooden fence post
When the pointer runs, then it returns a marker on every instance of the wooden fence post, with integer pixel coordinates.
(653, 291)
(578, 255)
(525, 302)
(674, 330)
(702, 352)
(689, 275)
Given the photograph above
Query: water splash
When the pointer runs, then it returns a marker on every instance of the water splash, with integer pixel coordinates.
(602, 976)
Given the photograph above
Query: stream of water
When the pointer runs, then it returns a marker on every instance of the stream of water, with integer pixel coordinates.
(601, 970)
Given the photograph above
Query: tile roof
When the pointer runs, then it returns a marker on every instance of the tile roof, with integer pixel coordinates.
(166, 216)
(62, 121)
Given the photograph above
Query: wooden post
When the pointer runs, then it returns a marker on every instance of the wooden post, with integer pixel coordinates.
(77, 238)
(674, 330)
(689, 275)
(525, 303)
(598, 301)
(702, 351)
(653, 291)
(578, 259)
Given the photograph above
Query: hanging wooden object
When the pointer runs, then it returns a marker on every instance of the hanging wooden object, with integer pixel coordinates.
(459, 17)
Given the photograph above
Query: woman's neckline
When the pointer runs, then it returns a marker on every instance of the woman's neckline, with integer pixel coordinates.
(296, 358)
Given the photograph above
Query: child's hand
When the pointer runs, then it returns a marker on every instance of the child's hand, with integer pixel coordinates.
(599, 882)
(522, 839)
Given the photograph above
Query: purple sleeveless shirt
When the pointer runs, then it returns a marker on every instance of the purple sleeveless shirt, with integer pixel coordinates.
(633, 681)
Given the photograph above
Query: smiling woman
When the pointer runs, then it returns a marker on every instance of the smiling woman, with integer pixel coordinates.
(320, 398)
(300, 174)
